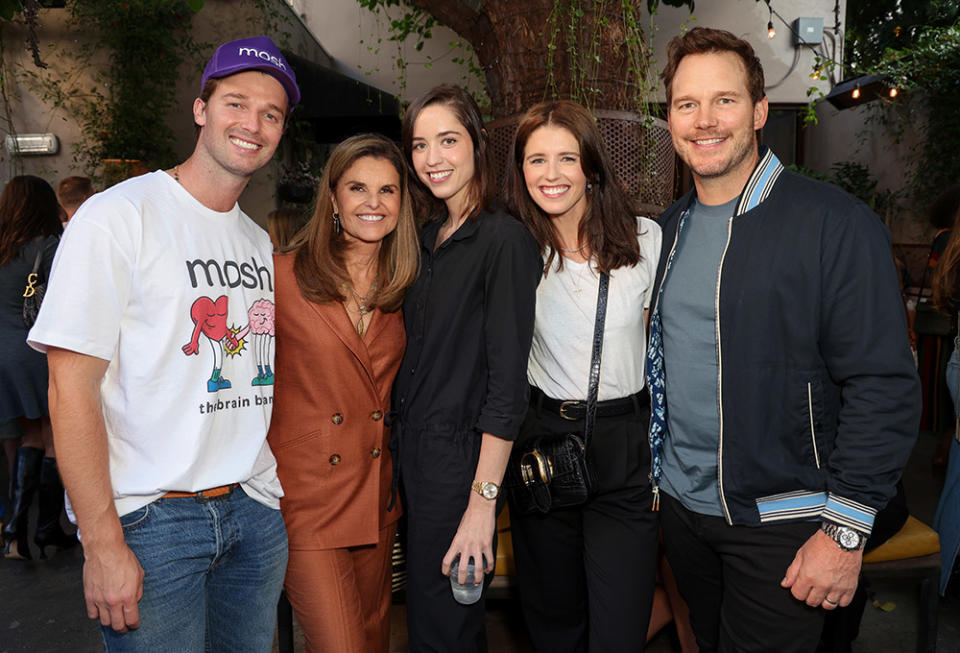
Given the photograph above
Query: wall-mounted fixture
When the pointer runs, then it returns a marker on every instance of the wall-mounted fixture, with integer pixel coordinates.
(32, 144)
(807, 31)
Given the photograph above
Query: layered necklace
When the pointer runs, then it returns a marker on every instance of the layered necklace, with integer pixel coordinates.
(362, 306)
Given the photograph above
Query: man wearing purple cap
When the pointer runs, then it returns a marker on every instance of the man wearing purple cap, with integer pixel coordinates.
(159, 408)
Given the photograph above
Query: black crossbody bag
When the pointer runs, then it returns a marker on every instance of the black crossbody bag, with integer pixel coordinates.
(551, 471)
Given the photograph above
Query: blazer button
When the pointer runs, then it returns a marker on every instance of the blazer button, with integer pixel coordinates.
(376, 452)
(375, 415)
(335, 459)
(337, 418)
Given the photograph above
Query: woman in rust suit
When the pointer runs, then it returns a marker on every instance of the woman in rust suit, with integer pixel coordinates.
(340, 339)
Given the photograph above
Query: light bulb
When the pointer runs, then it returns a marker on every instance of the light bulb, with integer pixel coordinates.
(894, 92)
(770, 31)
(856, 93)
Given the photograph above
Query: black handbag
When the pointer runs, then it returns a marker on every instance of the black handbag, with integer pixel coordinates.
(552, 472)
(33, 293)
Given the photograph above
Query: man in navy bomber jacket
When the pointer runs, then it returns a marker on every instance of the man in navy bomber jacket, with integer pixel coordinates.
(785, 400)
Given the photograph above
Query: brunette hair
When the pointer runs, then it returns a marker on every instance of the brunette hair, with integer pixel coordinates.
(28, 208)
(319, 266)
(465, 108)
(946, 273)
(705, 40)
(283, 224)
(609, 223)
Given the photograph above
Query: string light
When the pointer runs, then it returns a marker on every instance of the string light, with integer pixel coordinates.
(770, 31)
(856, 92)
(894, 92)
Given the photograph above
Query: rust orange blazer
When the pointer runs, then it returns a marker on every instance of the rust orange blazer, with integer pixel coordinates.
(331, 394)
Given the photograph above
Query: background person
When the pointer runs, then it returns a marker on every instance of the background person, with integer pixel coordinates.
(461, 392)
(586, 573)
(71, 193)
(946, 296)
(29, 225)
(283, 224)
(933, 333)
(339, 342)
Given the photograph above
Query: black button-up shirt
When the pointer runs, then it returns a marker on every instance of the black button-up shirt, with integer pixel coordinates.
(469, 323)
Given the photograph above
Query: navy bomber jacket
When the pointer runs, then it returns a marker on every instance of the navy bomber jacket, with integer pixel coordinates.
(819, 398)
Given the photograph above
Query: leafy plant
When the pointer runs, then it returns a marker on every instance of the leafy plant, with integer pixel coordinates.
(122, 115)
(928, 74)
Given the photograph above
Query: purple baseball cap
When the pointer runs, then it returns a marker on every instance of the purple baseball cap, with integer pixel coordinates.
(252, 53)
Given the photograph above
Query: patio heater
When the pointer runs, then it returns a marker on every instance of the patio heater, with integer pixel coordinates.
(860, 90)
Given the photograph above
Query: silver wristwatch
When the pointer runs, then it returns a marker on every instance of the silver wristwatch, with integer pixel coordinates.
(846, 538)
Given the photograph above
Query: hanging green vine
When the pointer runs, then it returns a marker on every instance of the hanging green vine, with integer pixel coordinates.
(121, 115)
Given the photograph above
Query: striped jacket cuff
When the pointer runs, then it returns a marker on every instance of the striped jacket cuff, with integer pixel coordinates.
(847, 512)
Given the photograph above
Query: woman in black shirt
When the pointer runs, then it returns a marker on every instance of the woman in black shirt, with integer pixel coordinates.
(461, 392)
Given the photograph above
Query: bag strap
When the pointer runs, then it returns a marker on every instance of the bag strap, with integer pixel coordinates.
(593, 385)
(39, 257)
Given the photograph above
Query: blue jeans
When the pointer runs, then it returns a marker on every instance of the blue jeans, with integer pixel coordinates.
(213, 572)
(953, 378)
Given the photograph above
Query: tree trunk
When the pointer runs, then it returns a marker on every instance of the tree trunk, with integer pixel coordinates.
(513, 40)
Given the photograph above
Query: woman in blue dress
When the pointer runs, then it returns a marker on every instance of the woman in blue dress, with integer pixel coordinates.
(29, 232)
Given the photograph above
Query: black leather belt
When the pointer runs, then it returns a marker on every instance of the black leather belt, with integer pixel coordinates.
(577, 410)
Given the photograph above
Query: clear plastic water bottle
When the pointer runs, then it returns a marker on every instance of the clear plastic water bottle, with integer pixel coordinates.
(468, 593)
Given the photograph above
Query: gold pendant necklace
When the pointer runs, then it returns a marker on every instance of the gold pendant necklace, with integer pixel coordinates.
(362, 306)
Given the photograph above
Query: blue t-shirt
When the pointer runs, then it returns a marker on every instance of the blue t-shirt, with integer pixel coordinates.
(688, 313)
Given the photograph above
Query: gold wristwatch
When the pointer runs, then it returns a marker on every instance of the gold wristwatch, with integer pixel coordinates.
(486, 489)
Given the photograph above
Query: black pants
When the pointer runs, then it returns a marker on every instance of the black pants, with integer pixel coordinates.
(730, 578)
(586, 574)
(437, 467)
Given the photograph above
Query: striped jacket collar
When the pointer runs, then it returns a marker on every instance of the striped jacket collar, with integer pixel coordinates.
(758, 186)
(761, 181)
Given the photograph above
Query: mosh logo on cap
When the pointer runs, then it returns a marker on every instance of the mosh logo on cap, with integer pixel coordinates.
(262, 54)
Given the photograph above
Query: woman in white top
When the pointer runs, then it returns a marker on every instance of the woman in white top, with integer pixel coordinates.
(586, 574)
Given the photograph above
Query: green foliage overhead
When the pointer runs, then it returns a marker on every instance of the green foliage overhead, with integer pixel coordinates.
(878, 25)
(9, 8)
(928, 72)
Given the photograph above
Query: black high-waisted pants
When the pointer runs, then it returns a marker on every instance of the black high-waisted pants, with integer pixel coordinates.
(586, 574)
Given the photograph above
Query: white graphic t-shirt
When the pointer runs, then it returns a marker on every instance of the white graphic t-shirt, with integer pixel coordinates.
(179, 299)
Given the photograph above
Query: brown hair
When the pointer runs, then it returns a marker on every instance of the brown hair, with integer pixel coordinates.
(705, 40)
(946, 273)
(465, 108)
(319, 266)
(283, 224)
(28, 208)
(609, 223)
(72, 191)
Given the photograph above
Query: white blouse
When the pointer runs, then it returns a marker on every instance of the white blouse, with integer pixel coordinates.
(565, 316)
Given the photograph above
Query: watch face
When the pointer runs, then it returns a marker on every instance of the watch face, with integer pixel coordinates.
(849, 539)
(490, 490)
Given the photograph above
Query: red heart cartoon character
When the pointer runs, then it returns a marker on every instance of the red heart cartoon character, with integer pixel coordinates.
(210, 318)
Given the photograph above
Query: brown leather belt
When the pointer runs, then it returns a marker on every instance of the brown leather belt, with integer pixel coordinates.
(203, 495)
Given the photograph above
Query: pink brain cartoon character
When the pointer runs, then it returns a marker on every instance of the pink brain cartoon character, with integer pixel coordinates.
(261, 325)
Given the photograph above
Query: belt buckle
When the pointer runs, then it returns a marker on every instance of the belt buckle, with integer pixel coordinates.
(564, 405)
